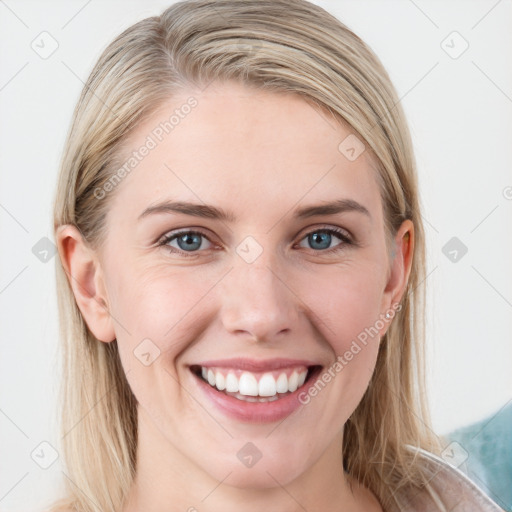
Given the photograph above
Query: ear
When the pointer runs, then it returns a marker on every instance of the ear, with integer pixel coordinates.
(400, 270)
(86, 279)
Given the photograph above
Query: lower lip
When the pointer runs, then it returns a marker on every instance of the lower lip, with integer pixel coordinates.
(256, 412)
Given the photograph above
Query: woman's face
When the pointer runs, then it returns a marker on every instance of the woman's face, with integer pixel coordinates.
(262, 287)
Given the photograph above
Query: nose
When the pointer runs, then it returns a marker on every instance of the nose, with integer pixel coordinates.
(259, 301)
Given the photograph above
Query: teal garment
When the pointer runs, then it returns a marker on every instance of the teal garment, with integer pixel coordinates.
(488, 444)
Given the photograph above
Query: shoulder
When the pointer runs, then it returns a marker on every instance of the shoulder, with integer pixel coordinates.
(450, 488)
(488, 444)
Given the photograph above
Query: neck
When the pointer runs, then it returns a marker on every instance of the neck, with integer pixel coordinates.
(166, 480)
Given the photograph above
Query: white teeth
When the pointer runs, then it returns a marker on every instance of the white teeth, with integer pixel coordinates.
(220, 381)
(247, 384)
(267, 385)
(254, 398)
(282, 383)
(293, 381)
(231, 383)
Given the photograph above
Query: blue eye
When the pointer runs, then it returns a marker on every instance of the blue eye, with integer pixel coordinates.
(189, 242)
(321, 239)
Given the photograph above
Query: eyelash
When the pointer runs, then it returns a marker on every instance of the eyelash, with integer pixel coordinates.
(333, 231)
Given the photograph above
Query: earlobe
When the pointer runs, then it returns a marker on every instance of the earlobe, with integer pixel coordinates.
(86, 279)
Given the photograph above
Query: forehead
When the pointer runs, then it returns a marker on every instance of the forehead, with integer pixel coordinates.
(246, 148)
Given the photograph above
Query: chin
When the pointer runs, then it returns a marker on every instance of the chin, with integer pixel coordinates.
(259, 476)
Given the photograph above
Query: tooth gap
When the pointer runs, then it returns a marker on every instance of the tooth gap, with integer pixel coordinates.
(196, 370)
(311, 370)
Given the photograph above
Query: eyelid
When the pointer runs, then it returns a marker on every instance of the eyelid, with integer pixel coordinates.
(202, 231)
(173, 233)
(342, 233)
(328, 227)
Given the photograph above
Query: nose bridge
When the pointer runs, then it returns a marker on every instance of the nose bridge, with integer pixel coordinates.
(257, 298)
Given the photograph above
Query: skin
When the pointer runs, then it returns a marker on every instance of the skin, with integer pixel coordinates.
(259, 155)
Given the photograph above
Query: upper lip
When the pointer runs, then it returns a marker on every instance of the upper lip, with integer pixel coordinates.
(257, 365)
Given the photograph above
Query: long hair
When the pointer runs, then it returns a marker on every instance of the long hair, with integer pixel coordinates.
(283, 46)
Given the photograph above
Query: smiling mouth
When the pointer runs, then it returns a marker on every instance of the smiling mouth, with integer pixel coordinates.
(256, 386)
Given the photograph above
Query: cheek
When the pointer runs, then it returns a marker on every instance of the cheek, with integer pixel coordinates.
(347, 311)
(346, 303)
(157, 312)
(155, 303)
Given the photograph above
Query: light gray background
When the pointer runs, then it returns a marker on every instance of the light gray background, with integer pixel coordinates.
(460, 114)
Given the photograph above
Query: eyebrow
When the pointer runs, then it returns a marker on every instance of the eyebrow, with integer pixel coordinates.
(213, 212)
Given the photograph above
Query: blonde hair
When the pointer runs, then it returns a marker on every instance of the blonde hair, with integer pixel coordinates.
(283, 46)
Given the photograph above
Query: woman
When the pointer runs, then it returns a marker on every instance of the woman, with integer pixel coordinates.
(240, 277)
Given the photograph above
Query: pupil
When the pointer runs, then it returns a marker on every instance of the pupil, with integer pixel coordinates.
(189, 242)
(326, 236)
